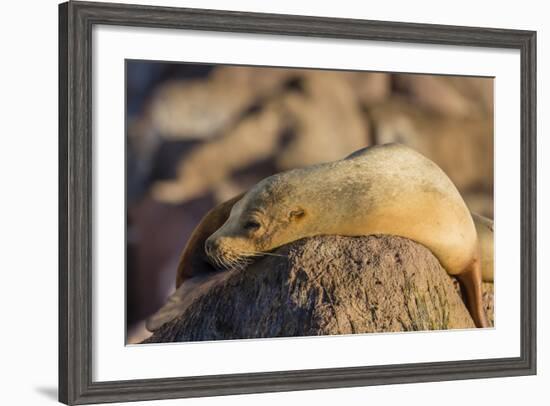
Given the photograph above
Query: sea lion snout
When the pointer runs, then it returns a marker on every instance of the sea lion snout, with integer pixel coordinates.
(227, 252)
(210, 246)
(215, 246)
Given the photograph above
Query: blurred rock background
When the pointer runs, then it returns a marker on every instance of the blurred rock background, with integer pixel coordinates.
(199, 134)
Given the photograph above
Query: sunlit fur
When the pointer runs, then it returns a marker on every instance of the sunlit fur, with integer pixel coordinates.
(389, 189)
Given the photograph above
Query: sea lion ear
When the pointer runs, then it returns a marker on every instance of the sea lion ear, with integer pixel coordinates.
(297, 213)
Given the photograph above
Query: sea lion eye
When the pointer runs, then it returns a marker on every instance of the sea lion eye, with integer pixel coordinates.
(297, 213)
(252, 225)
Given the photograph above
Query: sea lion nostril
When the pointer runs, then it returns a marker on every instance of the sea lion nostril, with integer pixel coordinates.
(209, 246)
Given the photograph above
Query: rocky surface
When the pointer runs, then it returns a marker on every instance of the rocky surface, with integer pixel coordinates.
(205, 133)
(240, 117)
(328, 285)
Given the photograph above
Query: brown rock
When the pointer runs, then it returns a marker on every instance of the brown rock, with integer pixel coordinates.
(371, 87)
(326, 120)
(448, 95)
(489, 302)
(462, 147)
(210, 164)
(324, 286)
(188, 109)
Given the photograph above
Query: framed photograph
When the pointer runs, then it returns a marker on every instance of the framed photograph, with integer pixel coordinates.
(259, 202)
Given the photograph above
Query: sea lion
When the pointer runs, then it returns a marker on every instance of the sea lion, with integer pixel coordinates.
(387, 189)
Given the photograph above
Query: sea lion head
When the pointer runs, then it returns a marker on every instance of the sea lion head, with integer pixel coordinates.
(268, 216)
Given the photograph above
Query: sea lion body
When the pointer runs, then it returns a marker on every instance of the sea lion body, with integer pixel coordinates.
(387, 189)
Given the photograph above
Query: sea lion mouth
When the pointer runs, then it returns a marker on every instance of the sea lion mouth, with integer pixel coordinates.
(227, 259)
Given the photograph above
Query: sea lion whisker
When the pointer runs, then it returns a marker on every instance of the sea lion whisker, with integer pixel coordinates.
(240, 262)
(260, 253)
(251, 254)
(234, 265)
(219, 262)
(275, 255)
(228, 262)
(235, 261)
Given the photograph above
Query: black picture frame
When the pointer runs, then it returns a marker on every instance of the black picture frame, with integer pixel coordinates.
(76, 20)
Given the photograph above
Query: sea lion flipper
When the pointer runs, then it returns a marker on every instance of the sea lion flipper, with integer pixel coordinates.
(358, 153)
(170, 310)
(367, 150)
(192, 261)
(182, 298)
(470, 282)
